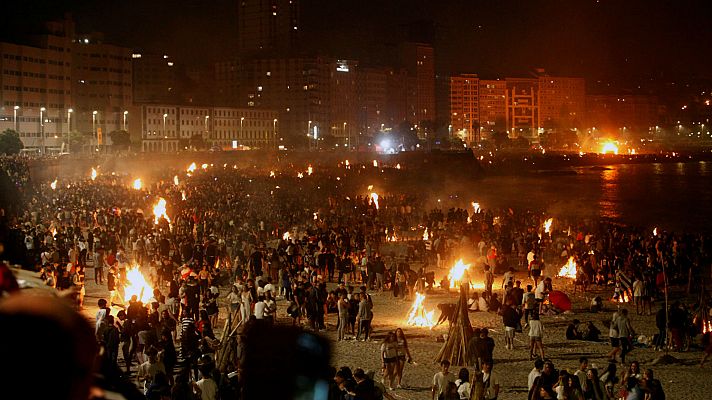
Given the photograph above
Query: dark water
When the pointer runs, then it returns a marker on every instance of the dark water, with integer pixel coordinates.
(671, 196)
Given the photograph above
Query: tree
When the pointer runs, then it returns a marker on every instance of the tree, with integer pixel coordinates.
(120, 139)
(77, 140)
(10, 142)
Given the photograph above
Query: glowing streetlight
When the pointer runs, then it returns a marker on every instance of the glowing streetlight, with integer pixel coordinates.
(14, 111)
(42, 110)
(126, 114)
(165, 136)
(274, 130)
(207, 117)
(69, 127)
(93, 126)
(242, 119)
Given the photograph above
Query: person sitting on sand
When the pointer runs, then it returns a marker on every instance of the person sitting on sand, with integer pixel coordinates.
(596, 304)
(473, 303)
(572, 332)
(592, 333)
(494, 304)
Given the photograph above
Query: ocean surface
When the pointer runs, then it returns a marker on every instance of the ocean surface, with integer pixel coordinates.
(670, 196)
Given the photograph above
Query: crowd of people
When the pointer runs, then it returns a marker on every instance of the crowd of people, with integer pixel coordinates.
(248, 239)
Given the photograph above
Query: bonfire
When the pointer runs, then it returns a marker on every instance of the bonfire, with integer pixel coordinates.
(191, 168)
(137, 285)
(569, 269)
(426, 235)
(547, 225)
(137, 184)
(456, 276)
(53, 185)
(159, 211)
(93, 174)
(374, 199)
(310, 170)
(418, 315)
(175, 180)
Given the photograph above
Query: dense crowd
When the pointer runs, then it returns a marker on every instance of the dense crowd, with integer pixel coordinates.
(319, 242)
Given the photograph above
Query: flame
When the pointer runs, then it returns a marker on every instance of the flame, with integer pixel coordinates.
(580, 153)
(271, 174)
(426, 235)
(300, 175)
(93, 174)
(455, 276)
(655, 231)
(204, 166)
(392, 237)
(182, 195)
(346, 163)
(375, 163)
(418, 315)
(316, 216)
(370, 187)
(159, 210)
(192, 167)
(310, 170)
(285, 236)
(398, 166)
(54, 232)
(137, 184)
(469, 219)
(53, 185)
(374, 199)
(476, 207)
(622, 298)
(547, 225)
(569, 269)
(609, 147)
(706, 327)
(175, 180)
(136, 285)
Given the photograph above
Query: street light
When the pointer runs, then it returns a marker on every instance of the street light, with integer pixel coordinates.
(349, 135)
(308, 132)
(165, 136)
(242, 119)
(42, 110)
(69, 127)
(274, 130)
(206, 126)
(93, 127)
(126, 114)
(14, 110)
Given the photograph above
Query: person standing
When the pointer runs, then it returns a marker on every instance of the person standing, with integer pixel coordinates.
(389, 358)
(510, 319)
(78, 280)
(403, 355)
(365, 315)
(487, 382)
(625, 332)
(441, 380)
(99, 267)
(489, 280)
(536, 334)
(343, 309)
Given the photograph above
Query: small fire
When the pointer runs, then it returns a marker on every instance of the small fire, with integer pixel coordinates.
(609, 147)
(137, 184)
(426, 235)
(374, 199)
(285, 236)
(569, 269)
(300, 175)
(392, 237)
(370, 187)
(469, 219)
(204, 166)
(346, 163)
(271, 174)
(456, 274)
(375, 163)
(418, 315)
(655, 231)
(182, 195)
(706, 326)
(476, 207)
(175, 180)
(53, 185)
(93, 174)
(159, 210)
(136, 285)
(316, 216)
(191, 168)
(310, 170)
(398, 166)
(547, 225)
(54, 232)
(622, 298)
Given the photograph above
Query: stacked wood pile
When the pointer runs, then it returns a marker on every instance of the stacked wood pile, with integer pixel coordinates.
(227, 354)
(455, 347)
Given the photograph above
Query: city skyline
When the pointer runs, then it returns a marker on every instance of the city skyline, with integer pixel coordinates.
(597, 40)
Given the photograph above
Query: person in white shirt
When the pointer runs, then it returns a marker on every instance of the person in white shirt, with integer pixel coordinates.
(442, 379)
(463, 384)
(535, 372)
(270, 307)
(208, 387)
(536, 333)
(260, 307)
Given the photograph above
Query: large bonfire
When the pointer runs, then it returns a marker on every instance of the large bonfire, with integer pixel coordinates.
(136, 285)
(569, 269)
(418, 315)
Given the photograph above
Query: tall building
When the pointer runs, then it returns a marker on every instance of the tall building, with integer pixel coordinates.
(36, 90)
(418, 59)
(342, 101)
(493, 107)
(267, 27)
(465, 107)
(101, 87)
(154, 78)
(372, 101)
(523, 108)
(562, 102)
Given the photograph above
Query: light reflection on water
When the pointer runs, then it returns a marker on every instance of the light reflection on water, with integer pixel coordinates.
(674, 196)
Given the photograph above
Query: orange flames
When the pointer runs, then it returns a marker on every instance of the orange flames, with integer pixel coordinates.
(53, 185)
(137, 285)
(418, 315)
(374, 199)
(93, 174)
(137, 184)
(706, 326)
(159, 211)
(426, 236)
(175, 180)
(569, 269)
(547, 225)
(456, 276)
(622, 298)
(191, 168)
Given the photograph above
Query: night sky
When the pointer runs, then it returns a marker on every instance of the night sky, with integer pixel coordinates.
(607, 39)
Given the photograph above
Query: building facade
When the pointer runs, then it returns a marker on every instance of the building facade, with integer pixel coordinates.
(562, 102)
(465, 107)
(418, 59)
(267, 26)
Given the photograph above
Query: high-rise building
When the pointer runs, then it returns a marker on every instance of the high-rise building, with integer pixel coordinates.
(418, 59)
(523, 108)
(562, 102)
(267, 27)
(372, 101)
(493, 107)
(465, 107)
(154, 79)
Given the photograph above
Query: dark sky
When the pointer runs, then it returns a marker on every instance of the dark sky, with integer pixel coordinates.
(606, 39)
